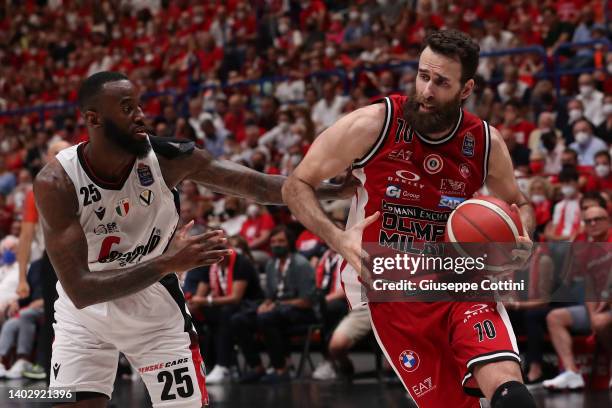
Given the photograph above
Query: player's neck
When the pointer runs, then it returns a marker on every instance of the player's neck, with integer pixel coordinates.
(107, 160)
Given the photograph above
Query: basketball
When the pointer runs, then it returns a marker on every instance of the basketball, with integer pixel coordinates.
(489, 221)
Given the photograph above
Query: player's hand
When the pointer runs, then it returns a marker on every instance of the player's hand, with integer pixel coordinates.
(188, 252)
(349, 185)
(349, 246)
(520, 255)
(12, 310)
(23, 289)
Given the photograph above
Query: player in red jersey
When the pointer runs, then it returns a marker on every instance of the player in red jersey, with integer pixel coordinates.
(417, 159)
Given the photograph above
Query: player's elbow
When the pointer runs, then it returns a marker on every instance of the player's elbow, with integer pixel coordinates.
(288, 188)
(76, 296)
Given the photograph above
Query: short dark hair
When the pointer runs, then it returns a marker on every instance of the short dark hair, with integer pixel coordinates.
(288, 234)
(568, 173)
(595, 196)
(571, 151)
(92, 85)
(458, 46)
(603, 153)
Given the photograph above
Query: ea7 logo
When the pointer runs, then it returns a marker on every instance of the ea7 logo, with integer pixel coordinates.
(402, 155)
(423, 387)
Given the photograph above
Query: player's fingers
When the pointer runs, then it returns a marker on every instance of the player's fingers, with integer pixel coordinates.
(205, 236)
(369, 220)
(215, 254)
(214, 243)
(185, 229)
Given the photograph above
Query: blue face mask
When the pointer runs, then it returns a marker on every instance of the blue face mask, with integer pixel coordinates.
(8, 257)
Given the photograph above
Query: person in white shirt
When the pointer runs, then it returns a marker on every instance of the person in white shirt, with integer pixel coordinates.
(591, 99)
(9, 271)
(328, 109)
(586, 143)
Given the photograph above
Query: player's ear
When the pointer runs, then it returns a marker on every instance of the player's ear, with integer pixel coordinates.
(92, 118)
(467, 89)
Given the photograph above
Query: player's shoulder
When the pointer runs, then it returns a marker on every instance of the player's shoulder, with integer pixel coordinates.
(171, 148)
(53, 181)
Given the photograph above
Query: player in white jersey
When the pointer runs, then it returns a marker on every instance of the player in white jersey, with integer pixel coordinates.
(109, 210)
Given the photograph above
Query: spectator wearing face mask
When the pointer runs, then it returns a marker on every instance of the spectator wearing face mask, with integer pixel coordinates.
(591, 99)
(9, 271)
(551, 147)
(546, 124)
(539, 192)
(604, 130)
(565, 223)
(575, 111)
(601, 180)
(586, 143)
(256, 230)
(518, 152)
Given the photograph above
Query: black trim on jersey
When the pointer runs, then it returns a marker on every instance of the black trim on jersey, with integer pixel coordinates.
(446, 138)
(487, 135)
(382, 136)
(471, 361)
(97, 180)
(171, 148)
(171, 283)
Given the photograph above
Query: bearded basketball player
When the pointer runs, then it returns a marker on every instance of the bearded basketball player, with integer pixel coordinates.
(109, 210)
(422, 151)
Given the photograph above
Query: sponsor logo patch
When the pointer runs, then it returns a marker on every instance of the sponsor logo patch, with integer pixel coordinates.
(465, 171)
(449, 186)
(146, 197)
(433, 163)
(468, 145)
(409, 360)
(100, 211)
(123, 207)
(145, 176)
(401, 155)
(423, 387)
(450, 202)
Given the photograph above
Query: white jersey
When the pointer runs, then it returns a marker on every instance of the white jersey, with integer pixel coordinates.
(126, 223)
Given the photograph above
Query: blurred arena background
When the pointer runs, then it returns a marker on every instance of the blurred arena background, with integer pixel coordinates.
(255, 82)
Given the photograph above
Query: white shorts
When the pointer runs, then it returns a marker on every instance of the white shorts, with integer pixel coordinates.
(152, 328)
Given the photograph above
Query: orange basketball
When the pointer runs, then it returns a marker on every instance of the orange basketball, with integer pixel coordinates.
(486, 220)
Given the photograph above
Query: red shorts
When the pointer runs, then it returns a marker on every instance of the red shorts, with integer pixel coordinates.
(433, 347)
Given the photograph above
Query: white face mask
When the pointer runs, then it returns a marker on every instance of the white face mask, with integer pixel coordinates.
(538, 198)
(586, 90)
(544, 130)
(574, 114)
(568, 191)
(582, 138)
(602, 170)
(607, 109)
(252, 211)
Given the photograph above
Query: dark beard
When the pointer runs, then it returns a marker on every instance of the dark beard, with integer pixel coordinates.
(125, 140)
(442, 118)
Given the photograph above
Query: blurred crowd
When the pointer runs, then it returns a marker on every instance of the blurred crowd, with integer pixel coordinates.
(256, 82)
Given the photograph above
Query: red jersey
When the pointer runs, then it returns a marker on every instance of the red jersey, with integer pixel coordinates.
(415, 182)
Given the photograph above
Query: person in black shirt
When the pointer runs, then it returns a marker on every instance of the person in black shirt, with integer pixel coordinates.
(215, 294)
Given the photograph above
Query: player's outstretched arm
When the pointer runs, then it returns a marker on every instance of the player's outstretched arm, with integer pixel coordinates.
(227, 177)
(332, 152)
(67, 247)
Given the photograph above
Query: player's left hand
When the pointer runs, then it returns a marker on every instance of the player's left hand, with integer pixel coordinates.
(520, 255)
(349, 185)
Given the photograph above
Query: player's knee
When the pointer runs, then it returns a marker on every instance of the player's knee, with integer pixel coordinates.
(512, 394)
(339, 343)
(554, 318)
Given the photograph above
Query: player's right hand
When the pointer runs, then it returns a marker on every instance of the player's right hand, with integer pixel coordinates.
(23, 289)
(350, 247)
(187, 252)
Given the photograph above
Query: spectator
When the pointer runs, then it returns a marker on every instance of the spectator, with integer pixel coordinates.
(604, 131)
(289, 286)
(20, 328)
(552, 146)
(329, 108)
(8, 181)
(575, 111)
(586, 144)
(546, 124)
(584, 55)
(540, 192)
(311, 247)
(592, 316)
(233, 215)
(281, 136)
(235, 118)
(565, 223)
(9, 271)
(351, 329)
(223, 290)
(511, 87)
(518, 152)
(591, 99)
(214, 138)
(256, 230)
(513, 120)
(601, 180)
